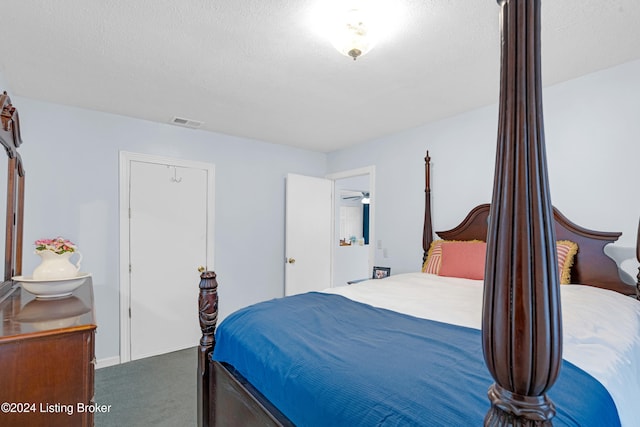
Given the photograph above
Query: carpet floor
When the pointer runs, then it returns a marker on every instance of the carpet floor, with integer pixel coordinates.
(158, 391)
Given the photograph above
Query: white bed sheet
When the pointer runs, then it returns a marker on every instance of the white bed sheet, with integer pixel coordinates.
(601, 329)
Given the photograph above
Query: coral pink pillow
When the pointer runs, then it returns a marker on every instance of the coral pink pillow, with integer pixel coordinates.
(463, 259)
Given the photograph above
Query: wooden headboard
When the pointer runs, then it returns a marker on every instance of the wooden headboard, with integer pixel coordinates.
(591, 265)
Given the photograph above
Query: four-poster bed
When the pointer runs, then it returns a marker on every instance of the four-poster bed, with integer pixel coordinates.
(519, 312)
(227, 398)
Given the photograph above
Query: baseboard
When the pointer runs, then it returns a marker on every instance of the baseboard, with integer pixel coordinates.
(108, 361)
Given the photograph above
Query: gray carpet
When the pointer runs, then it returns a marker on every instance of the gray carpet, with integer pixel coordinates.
(156, 391)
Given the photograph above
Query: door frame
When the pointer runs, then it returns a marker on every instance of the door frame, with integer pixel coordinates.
(367, 170)
(124, 176)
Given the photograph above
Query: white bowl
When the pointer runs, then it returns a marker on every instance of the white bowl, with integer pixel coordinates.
(55, 288)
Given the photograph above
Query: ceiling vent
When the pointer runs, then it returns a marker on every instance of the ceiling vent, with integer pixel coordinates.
(193, 124)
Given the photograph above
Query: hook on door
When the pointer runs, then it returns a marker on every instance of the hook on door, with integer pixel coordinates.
(175, 177)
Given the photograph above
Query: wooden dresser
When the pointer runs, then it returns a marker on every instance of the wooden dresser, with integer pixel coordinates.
(47, 359)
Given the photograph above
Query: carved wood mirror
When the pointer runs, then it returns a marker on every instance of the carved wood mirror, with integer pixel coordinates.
(14, 191)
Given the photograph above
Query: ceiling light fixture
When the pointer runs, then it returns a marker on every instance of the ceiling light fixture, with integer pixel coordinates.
(352, 35)
(354, 27)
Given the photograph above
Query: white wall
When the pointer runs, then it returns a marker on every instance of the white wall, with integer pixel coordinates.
(4, 85)
(593, 147)
(71, 159)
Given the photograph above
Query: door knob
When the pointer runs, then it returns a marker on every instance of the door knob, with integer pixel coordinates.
(291, 260)
(201, 269)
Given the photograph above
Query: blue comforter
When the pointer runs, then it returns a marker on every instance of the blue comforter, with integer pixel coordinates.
(325, 360)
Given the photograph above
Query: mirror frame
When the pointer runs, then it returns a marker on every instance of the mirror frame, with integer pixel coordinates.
(11, 139)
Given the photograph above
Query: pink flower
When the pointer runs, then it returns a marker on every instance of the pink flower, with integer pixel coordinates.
(58, 245)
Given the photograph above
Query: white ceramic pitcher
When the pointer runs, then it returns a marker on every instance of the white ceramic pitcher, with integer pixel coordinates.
(56, 266)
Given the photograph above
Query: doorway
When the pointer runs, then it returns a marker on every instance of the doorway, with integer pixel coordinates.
(353, 251)
(166, 233)
(313, 256)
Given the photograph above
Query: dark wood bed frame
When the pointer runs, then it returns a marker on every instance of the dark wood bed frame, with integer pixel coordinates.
(521, 309)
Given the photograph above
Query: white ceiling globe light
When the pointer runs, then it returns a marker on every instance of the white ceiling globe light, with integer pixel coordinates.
(353, 34)
(355, 26)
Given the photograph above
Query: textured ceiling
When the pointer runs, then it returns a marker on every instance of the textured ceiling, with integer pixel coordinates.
(255, 68)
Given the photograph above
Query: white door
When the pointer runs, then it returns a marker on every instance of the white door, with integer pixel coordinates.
(308, 234)
(169, 232)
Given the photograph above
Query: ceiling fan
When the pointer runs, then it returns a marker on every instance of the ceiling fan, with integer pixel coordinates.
(363, 196)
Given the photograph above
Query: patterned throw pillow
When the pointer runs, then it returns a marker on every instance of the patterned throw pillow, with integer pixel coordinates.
(434, 256)
(567, 251)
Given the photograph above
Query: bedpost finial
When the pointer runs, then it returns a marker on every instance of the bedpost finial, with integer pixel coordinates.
(206, 274)
(208, 307)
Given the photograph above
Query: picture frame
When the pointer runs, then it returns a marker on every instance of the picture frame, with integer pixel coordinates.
(381, 272)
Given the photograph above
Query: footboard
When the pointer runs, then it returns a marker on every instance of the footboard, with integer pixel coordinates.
(226, 398)
(235, 402)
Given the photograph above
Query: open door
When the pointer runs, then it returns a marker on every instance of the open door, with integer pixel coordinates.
(308, 234)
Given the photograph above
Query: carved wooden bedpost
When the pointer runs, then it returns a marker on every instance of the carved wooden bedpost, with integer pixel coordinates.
(427, 230)
(208, 314)
(522, 327)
